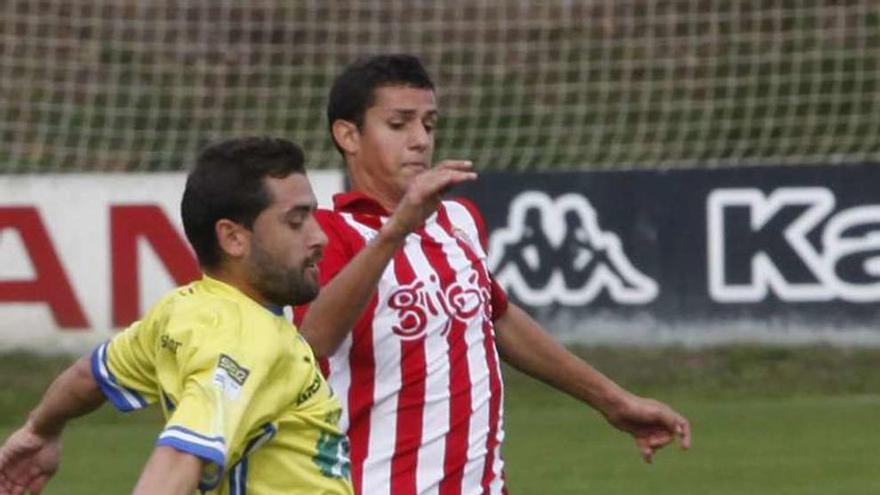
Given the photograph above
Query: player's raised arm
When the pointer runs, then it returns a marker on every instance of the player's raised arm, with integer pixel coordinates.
(341, 301)
(30, 456)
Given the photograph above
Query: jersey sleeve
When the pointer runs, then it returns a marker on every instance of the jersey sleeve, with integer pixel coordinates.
(338, 252)
(499, 300)
(220, 379)
(123, 368)
(498, 294)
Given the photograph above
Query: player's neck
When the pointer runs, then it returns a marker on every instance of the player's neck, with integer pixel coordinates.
(387, 199)
(234, 278)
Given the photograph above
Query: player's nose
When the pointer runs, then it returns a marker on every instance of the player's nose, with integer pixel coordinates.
(317, 237)
(419, 138)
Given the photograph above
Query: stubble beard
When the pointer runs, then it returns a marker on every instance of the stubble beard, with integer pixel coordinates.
(278, 284)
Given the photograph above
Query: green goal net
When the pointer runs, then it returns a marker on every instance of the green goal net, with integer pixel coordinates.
(125, 85)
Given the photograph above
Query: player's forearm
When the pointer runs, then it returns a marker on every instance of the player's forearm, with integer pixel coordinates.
(170, 472)
(340, 303)
(74, 393)
(526, 346)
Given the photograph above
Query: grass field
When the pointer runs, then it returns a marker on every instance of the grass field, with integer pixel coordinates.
(766, 421)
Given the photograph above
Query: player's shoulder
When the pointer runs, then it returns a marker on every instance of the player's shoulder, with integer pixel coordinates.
(194, 310)
(322, 212)
(331, 221)
(463, 213)
(340, 228)
(463, 206)
(328, 216)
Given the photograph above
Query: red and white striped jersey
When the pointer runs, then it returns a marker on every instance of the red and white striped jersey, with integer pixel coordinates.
(419, 374)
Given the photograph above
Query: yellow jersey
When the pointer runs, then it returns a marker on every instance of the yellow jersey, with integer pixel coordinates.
(239, 388)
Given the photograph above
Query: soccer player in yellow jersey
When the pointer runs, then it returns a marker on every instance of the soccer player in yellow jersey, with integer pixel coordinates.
(247, 409)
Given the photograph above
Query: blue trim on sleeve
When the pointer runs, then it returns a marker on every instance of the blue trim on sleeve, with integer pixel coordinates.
(201, 451)
(196, 435)
(211, 449)
(123, 398)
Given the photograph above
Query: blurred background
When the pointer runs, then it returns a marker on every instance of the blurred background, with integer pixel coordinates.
(683, 191)
(113, 85)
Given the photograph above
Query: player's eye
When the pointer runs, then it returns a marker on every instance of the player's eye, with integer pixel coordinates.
(396, 125)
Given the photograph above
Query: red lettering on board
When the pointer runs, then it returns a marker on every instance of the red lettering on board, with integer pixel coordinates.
(51, 285)
(128, 224)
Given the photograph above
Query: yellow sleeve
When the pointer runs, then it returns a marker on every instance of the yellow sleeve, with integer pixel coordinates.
(124, 370)
(220, 379)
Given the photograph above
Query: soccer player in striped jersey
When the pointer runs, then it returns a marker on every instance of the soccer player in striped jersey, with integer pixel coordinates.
(409, 318)
(247, 409)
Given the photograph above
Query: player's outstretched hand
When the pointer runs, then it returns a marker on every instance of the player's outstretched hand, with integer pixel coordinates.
(653, 424)
(425, 192)
(27, 461)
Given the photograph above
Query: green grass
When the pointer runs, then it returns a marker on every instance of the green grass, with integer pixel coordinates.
(765, 445)
(766, 421)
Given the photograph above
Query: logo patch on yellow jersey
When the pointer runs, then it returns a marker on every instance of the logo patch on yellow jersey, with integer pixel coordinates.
(235, 371)
(310, 390)
(229, 377)
(168, 343)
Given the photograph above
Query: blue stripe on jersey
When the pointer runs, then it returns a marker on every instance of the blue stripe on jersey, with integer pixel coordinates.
(169, 404)
(269, 431)
(211, 449)
(238, 476)
(123, 398)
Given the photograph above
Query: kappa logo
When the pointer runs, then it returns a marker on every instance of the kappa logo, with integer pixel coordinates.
(761, 243)
(553, 251)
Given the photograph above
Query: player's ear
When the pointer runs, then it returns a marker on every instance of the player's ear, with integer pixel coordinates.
(347, 136)
(233, 238)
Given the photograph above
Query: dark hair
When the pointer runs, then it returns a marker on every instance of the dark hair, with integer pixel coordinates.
(353, 91)
(227, 182)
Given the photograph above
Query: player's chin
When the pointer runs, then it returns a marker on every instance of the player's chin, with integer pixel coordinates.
(312, 272)
(312, 279)
(304, 292)
(411, 169)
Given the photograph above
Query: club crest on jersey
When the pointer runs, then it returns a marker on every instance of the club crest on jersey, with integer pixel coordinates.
(462, 236)
(418, 302)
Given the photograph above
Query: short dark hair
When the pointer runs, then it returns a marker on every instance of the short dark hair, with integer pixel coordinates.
(353, 91)
(227, 182)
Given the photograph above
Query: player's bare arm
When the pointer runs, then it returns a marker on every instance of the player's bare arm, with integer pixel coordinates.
(170, 472)
(325, 326)
(31, 455)
(523, 344)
